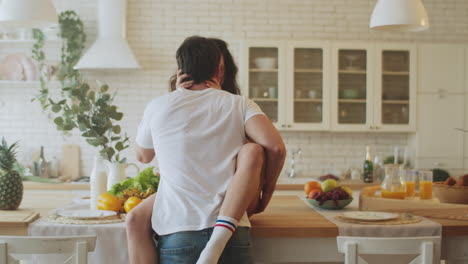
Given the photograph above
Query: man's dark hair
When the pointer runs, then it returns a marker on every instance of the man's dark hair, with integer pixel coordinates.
(199, 57)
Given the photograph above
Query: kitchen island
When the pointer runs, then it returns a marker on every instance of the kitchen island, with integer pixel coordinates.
(288, 231)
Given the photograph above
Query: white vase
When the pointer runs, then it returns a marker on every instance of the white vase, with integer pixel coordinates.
(97, 181)
(117, 172)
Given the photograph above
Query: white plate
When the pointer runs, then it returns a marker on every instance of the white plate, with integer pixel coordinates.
(369, 216)
(85, 213)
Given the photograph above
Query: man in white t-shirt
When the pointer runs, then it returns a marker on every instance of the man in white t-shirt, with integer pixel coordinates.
(197, 134)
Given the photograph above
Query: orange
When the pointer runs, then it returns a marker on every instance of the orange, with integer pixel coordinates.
(309, 186)
(312, 192)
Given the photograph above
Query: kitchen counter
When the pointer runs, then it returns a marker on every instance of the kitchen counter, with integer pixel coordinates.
(283, 184)
(289, 216)
(288, 230)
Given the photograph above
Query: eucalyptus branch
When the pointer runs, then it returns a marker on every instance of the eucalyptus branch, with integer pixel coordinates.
(80, 107)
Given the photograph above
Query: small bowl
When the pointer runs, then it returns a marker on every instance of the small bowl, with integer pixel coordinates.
(265, 63)
(330, 205)
(350, 94)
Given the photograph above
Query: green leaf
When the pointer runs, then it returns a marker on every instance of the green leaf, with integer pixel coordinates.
(106, 97)
(119, 146)
(62, 102)
(58, 121)
(75, 92)
(104, 88)
(116, 129)
(118, 116)
(93, 142)
(115, 138)
(92, 95)
(75, 109)
(56, 108)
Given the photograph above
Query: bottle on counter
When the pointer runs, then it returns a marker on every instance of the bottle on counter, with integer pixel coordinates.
(368, 167)
(379, 172)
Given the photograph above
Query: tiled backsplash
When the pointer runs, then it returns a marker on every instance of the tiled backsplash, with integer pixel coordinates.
(155, 28)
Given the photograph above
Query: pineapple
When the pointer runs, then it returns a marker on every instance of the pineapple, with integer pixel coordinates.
(11, 184)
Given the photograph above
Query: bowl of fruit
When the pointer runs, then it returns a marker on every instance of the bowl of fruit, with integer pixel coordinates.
(327, 195)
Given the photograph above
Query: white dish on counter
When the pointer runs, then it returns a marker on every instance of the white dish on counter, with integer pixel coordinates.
(370, 216)
(86, 213)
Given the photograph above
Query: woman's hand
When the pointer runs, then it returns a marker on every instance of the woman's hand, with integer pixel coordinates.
(180, 78)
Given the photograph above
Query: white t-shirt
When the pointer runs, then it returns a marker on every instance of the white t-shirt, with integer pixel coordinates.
(196, 136)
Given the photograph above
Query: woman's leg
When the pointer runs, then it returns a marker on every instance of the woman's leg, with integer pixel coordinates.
(141, 247)
(242, 193)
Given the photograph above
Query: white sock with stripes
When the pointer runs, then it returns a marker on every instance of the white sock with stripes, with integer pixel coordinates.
(224, 228)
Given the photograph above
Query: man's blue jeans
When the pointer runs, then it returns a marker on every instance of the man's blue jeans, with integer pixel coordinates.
(185, 247)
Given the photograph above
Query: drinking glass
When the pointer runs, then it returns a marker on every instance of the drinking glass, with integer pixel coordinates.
(410, 181)
(425, 185)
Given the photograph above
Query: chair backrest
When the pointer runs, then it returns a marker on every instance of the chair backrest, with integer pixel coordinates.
(79, 246)
(420, 247)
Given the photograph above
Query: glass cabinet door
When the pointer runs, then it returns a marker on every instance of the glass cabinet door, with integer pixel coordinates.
(263, 79)
(395, 86)
(308, 85)
(352, 87)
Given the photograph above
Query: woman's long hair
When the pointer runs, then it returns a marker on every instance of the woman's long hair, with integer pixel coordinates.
(230, 70)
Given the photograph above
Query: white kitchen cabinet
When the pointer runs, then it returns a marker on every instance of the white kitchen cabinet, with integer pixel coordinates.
(339, 86)
(395, 86)
(308, 83)
(438, 143)
(352, 82)
(441, 68)
(263, 76)
(300, 74)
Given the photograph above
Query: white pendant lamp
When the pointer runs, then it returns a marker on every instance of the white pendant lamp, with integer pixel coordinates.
(27, 14)
(111, 49)
(399, 16)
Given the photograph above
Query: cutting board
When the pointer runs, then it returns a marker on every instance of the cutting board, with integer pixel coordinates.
(70, 164)
(17, 217)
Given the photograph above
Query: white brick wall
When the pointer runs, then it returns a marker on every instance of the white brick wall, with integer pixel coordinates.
(157, 27)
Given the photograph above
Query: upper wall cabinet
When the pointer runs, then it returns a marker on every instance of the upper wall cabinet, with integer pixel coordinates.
(289, 81)
(307, 85)
(338, 86)
(395, 85)
(441, 68)
(352, 93)
(263, 75)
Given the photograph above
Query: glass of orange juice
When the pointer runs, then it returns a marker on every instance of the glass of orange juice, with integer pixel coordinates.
(425, 185)
(410, 182)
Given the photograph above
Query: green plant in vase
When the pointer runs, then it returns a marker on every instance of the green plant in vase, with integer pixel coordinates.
(79, 106)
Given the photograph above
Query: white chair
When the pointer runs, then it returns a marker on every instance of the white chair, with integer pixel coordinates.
(417, 250)
(79, 246)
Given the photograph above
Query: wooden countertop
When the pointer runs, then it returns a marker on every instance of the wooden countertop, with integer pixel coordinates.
(289, 216)
(286, 216)
(354, 185)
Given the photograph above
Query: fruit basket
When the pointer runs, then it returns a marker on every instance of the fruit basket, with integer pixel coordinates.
(450, 194)
(330, 204)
